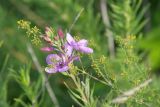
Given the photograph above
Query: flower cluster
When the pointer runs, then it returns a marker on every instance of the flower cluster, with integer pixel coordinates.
(32, 32)
(63, 48)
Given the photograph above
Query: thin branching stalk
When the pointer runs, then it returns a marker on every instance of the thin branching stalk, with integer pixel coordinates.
(76, 18)
(4, 64)
(126, 95)
(93, 77)
(105, 17)
(47, 84)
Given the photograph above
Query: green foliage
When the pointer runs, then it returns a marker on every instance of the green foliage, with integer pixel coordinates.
(124, 73)
(32, 89)
(3, 92)
(127, 16)
(82, 94)
(1, 43)
(151, 44)
(98, 80)
(4, 78)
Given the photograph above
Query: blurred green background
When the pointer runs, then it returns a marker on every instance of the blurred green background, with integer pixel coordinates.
(62, 13)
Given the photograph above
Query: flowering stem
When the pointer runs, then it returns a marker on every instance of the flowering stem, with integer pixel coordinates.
(99, 71)
(79, 87)
(103, 82)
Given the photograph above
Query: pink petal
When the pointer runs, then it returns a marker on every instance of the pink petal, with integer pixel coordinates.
(83, 42)
(85, 49)
(62, 56)
(51, 58)
(70, 39)
(64, 68)
(50, 70)
(73, 59)
(68, 50)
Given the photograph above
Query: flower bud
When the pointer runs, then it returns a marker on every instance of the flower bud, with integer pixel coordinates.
(56, 38)
(47, 49)
(60, 33)
(62, 47)
(47, 39)
(47, 29)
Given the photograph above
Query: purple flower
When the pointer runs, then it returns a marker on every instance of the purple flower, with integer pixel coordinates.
(79, 46)
(58, 63)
